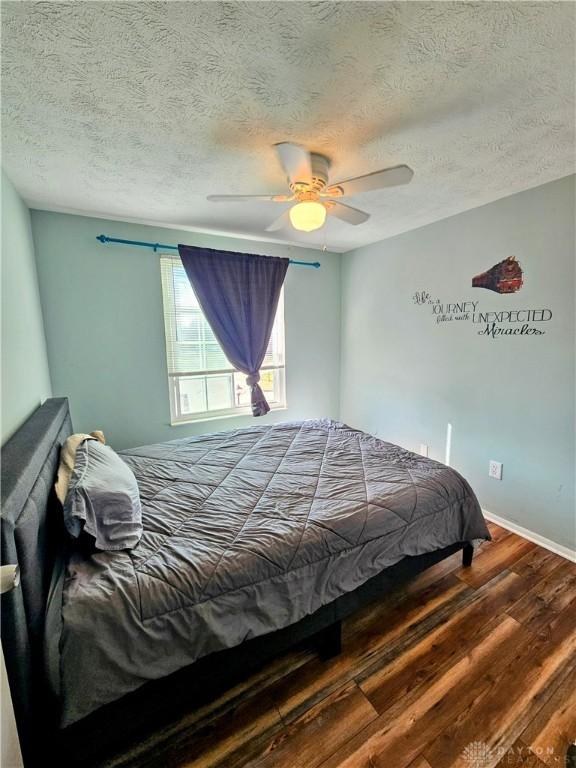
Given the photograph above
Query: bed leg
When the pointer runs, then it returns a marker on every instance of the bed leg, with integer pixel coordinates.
(329, 641)
(467, 555)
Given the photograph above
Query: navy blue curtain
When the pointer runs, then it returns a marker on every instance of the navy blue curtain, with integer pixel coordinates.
(238, 293)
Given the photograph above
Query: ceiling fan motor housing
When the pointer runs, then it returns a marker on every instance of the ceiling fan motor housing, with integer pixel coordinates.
(320, 167)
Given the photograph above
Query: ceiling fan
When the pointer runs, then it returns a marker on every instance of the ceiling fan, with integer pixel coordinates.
(313, 196)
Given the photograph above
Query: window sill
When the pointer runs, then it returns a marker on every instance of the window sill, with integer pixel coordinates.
(240, 414)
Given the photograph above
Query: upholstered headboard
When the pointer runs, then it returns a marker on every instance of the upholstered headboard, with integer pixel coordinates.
(31, 536)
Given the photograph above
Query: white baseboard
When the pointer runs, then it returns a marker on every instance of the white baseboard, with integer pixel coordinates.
(536, 538)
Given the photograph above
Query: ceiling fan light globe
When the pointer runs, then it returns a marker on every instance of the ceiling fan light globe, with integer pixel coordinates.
(307, 216)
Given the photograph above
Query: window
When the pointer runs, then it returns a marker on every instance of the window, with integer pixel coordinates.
(203, 384)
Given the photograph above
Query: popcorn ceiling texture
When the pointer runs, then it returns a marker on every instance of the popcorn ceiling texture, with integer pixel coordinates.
(139, 110)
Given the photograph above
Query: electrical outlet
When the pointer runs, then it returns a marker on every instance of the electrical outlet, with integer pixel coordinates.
(423, 449)
(495, 470)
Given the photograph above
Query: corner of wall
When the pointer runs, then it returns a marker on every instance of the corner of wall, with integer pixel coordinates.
(26, 379)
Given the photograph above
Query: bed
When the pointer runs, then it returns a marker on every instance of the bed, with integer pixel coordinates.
(254, 540)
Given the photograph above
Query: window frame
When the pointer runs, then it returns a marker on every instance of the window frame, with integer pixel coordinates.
(176, 415)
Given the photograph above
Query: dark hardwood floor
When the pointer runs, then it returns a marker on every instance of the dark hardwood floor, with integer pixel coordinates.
(462, 668)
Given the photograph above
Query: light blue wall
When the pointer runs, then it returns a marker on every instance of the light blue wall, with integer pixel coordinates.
(105, 330)
(25, 374)
(509, 399)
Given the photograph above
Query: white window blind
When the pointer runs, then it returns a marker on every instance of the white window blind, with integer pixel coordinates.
(203, 384)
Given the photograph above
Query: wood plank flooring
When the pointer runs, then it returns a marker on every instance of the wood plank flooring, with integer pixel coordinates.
(461, 668)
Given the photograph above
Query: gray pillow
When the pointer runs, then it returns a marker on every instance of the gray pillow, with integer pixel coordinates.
(103, 498)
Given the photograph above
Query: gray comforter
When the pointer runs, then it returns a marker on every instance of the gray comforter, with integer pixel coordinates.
(246, 532)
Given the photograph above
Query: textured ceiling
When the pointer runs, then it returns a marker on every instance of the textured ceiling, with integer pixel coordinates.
(138, 110)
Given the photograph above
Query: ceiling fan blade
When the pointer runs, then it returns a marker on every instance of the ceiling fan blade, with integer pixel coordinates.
(296, 162)
(346, 212)
(248, 198)
(389, 177)
(280, 222)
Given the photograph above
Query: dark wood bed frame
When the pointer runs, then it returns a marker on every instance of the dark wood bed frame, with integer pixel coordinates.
(32, 535)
